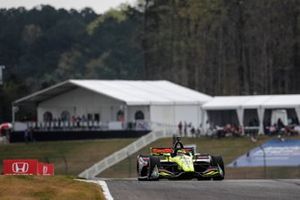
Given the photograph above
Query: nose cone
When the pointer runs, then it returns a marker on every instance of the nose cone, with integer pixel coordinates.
(188, 165)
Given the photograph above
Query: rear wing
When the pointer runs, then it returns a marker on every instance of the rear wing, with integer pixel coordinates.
(158, 151)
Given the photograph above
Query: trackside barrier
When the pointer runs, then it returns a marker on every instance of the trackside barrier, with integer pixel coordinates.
(122, 154)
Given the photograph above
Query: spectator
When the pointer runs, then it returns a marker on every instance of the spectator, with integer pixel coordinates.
(198, 132)
(221, 132)
(78, 120)
(83, 118)
(180, 128)
(228, 130)
(272, 129)
(193, 131)
(26, 135)
(280, 125)
(297, 129)
(30, 135)
(185, 128)
(236, 130)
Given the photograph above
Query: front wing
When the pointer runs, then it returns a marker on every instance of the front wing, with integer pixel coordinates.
(169, 171)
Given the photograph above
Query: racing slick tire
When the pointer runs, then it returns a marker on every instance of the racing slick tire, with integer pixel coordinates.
(154, 165)
(218, 161)
(146, 174)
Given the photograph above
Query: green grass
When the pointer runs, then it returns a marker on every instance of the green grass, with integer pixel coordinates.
(72, 157)
(47, 187)
(69, 157)
(230, 148)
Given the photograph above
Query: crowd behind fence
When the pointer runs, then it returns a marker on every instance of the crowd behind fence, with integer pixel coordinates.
(55, 125)
(88, 125)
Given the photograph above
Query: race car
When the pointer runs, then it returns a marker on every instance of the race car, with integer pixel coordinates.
(179, 162)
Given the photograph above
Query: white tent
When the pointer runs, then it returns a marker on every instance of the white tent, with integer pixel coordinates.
(228, 103)
(260, 103)
(144, 92)
(161, 101)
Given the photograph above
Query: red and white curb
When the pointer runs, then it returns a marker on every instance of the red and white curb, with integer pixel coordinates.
(103, 185)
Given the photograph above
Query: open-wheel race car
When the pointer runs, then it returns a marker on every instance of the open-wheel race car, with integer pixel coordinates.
(179, 162)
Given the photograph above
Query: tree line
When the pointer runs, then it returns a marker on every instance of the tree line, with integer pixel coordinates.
(232, 47)
(43, 46)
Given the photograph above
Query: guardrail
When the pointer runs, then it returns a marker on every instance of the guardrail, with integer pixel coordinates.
(127, 151)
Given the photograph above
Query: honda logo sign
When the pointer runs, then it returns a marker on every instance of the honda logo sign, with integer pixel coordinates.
(27, 167)
(20, 167)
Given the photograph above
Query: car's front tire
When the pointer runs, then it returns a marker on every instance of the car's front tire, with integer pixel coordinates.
(217, 161)
(149, 172)
(154, 165)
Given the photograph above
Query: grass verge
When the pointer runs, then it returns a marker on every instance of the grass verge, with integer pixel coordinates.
(69, 157)
(43, 187)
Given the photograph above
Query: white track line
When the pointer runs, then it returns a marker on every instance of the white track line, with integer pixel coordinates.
(105, 189)
(103, 185)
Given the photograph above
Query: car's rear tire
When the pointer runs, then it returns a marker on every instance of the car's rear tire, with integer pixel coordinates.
(218, 161)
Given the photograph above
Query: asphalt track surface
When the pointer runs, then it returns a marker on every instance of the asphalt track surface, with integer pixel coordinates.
(211, 190)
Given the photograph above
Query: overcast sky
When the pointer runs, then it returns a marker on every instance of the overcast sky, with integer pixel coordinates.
(98, 6)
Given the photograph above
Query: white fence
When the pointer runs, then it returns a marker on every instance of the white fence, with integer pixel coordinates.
(138, 125)
(122, 154)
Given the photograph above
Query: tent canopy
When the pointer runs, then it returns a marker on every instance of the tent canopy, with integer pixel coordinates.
(130, 92)
(253, 102)
(225, 102)
(260, 103)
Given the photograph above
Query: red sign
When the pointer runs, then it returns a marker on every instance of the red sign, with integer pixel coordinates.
(20, 167)
(27, 167)
(45, 169)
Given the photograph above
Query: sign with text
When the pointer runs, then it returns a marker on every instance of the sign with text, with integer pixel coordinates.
(45, 169)
(27, 167)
